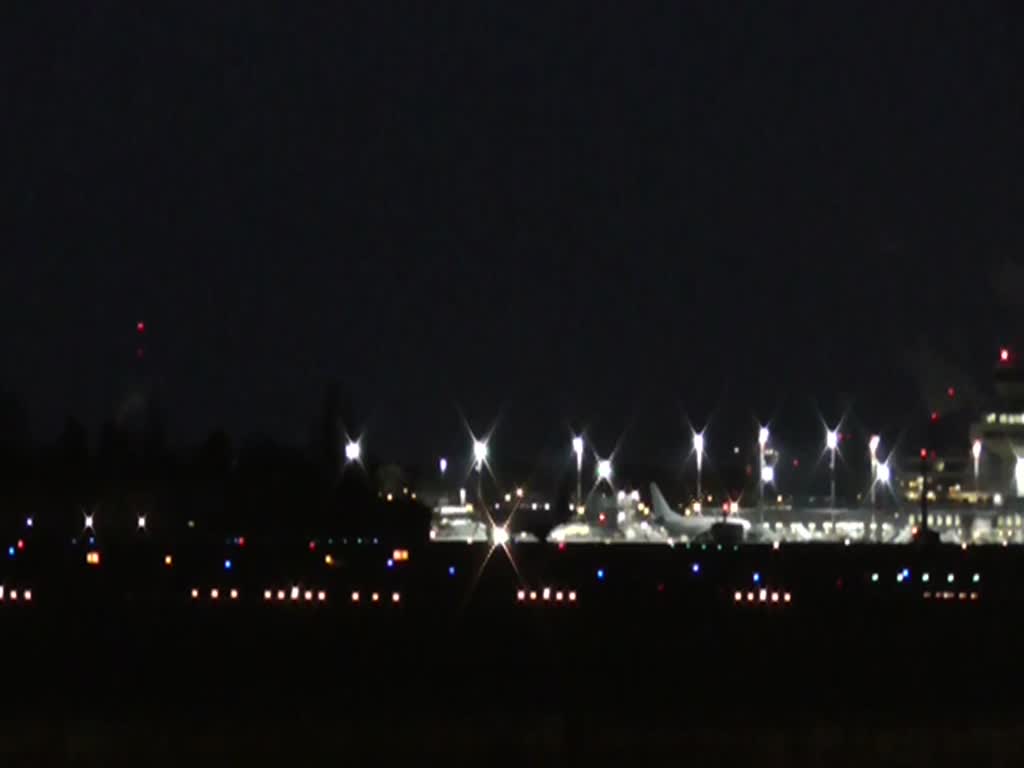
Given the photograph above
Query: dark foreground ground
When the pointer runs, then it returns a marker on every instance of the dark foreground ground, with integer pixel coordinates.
(655, 663)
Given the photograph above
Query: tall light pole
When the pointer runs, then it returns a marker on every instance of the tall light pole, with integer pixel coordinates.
(698, 448)
(577, 448)
(762, 441)
(976, 455)
(832, 443)
(873, 450)
(479, 457)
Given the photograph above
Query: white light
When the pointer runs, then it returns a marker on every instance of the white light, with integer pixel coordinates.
(395, 597)
(976, 449)
(768, 474)
(321, 596)
(572, 597)
(195, 594)
(352, 451)
(88, 521)
(520, 595)
(280, 595)
(884, 474)
(142, 522)
(577, 447)
(443, 465)
(698, 443)
(295, 593)
(462, 496)
(762, 436)
(267, 594)
(546, 594)
(214, 593)
(29, 522)
(234, 594)
(831, 439)
(479, 452)
(873, 444)
(604, 469)
(1018, 475)
(499, 535)
(355, 597)
(309, 596)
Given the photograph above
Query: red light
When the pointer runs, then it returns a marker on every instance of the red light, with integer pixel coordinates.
(935, 416)
(21, 544)
(924, 454)
(1004, 355)
(951, 392)
(561, 546)
(312, 546)
(796, 462)
(241, 541)
(601, 518)
(140, 327)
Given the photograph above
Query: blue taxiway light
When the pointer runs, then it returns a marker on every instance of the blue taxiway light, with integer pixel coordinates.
(451, 570)
(600, 574)
(227, 565)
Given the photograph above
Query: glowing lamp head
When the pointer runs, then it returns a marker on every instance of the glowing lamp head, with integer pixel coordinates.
(604, 469)
(762, 436)
(141, 522)
(443, 465)
(873, 444)
(89, 521)
(499, 535)
(976, 449)
(832, 439)
(1004, 355)
(479, 452)
(768, 475)
(577, 447)
(698, 443)
(884, 474)
(352, 451)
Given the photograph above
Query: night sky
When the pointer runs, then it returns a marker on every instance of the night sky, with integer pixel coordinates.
(616, 215)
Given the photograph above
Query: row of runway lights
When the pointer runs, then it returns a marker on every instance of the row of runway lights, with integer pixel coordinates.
(545, 595)
(294, 595)
(904, 577)
(13, 596)
(962, 596)
(763, 596)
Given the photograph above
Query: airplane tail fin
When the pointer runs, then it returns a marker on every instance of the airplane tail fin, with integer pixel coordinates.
(662, 511)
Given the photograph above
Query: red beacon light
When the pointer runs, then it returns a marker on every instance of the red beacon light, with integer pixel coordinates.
(924, 454)
(140, 327)
(1004, 355)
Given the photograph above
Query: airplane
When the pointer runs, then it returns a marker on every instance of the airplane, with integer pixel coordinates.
(696, 526)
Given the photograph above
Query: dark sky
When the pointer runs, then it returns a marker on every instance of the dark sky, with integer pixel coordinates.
(614, 213)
